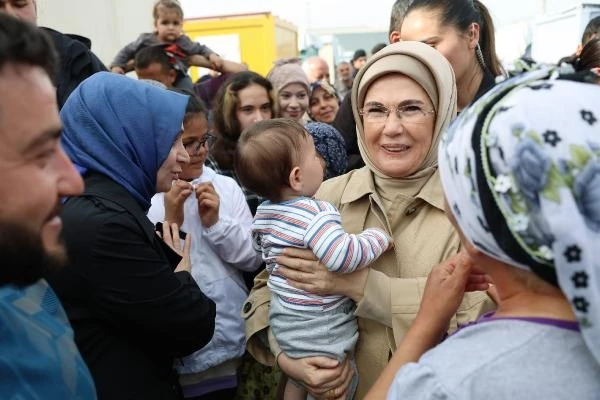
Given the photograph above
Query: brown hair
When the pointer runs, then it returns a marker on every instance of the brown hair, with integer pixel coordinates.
(591, 31)
(267, 152)
(589, 57)
(170, 4)
(461, 14)
(226, 123)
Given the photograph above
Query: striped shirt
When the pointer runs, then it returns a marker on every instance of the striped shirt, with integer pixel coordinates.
(314, 224)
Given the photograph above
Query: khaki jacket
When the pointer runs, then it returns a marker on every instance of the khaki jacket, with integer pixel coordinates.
(395, 281)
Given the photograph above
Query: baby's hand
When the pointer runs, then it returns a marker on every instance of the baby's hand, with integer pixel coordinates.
(390, 239)
(117, 70)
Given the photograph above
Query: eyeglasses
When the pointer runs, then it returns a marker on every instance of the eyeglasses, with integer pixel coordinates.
(193, 148)
(379, 113)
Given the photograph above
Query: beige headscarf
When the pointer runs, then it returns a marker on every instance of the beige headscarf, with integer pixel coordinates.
(287, 71)
(430, 70)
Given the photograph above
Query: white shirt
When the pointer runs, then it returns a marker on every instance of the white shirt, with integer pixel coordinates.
(218, 255)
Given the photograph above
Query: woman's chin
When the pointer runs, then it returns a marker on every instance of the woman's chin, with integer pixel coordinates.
(397, 168)
(295, 115)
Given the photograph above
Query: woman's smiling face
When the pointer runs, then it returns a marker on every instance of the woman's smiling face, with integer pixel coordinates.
(396, 147)
(323, 106)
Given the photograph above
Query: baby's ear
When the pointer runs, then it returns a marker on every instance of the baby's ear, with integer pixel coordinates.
(295, 179)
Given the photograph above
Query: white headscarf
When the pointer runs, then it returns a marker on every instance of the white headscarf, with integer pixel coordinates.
(521, 172)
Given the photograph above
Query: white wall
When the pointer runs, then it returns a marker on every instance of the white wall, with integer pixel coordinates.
(110, 24)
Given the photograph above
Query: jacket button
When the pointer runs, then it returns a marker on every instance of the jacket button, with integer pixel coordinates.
(411, 210)
(247, 307)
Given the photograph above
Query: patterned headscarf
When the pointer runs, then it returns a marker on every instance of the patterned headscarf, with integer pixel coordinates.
(521, 173)
(330, 145)
(326, 86)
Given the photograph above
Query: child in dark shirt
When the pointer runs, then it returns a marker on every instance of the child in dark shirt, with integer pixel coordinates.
(168, 22)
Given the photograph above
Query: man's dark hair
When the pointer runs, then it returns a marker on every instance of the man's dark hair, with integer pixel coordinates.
(377, 48)
(397, 15)
(23, 43)
(151, 55)
(591, 31)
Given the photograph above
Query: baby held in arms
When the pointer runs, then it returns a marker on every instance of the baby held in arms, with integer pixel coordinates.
(277, 159)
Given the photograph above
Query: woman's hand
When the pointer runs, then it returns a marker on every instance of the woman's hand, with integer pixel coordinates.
(445, 288)
(170, 235)
(208, 204)
(174, 199)
(323, 377)
(304, 271)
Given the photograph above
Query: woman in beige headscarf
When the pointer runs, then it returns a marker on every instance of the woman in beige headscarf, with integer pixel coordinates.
(291, 83)
(403, 98)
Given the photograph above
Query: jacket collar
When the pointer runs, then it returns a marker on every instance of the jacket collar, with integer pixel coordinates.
(361, 183)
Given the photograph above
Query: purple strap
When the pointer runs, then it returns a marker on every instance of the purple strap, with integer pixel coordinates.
(558, 323)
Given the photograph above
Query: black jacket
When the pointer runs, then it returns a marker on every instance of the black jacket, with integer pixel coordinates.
(344, 122)
(132, 315)
(76, 62)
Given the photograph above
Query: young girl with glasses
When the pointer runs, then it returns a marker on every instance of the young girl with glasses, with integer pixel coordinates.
(213, 208)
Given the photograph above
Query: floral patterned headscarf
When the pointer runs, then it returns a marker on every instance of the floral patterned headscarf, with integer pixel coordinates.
(330, 144)
(521, 173)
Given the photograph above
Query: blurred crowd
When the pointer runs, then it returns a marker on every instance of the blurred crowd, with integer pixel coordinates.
(419, 226)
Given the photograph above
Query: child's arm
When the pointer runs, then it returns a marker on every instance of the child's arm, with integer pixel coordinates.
(124, 60)
(199, 61)
(340, 251)
(192, 47)
(232, 67)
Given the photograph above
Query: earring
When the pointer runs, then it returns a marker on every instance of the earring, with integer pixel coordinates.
(479, 55)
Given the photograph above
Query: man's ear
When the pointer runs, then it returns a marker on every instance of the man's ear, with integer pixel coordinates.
(295, 179)
(394, 36)
(172, 76)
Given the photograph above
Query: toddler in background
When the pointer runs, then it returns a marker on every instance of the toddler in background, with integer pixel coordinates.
(277, 159)
(168, 23)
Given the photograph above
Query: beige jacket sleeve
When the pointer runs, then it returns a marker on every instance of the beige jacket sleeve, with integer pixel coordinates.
(394, 302)
(256, 314)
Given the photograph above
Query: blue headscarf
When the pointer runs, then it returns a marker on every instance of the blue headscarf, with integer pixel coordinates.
(123, 129)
